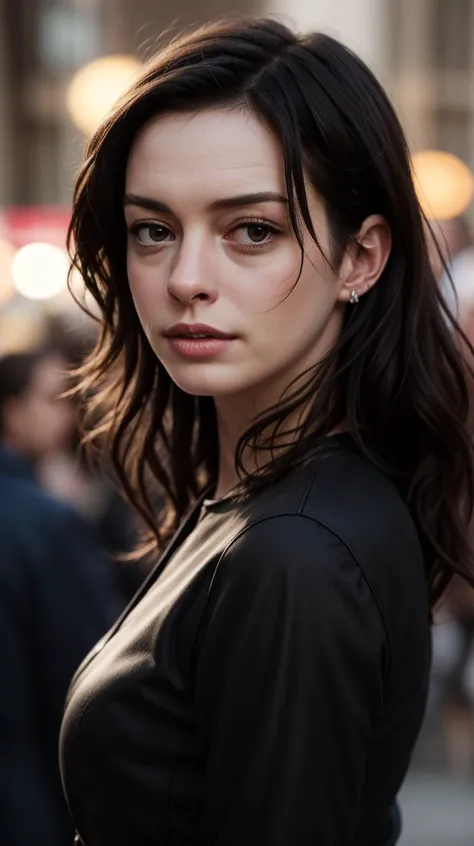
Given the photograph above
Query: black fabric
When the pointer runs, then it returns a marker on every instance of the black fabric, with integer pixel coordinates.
(268, 683)
(56, 601)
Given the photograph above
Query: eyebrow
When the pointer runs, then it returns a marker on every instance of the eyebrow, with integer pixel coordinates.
(226, 203)
(248, 200)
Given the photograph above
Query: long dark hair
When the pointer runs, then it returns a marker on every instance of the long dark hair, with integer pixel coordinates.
(395, 378)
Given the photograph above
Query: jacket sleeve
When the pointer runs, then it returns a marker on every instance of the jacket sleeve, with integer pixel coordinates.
(76, 603)
(54, 605)
(289, 684)
(28, 804)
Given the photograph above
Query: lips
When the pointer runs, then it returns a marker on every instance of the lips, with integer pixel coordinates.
(196, 331)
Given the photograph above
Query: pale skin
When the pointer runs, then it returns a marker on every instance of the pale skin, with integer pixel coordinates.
(39, 421)
(233, 265)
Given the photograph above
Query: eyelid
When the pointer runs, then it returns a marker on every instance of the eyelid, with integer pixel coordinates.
(139, 224)
(249, 219)
(134, 228)
(275, 228)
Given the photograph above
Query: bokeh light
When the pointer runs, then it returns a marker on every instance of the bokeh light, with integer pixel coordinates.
(7, 254)
(444, 184)
(96, 87)
(39, 271)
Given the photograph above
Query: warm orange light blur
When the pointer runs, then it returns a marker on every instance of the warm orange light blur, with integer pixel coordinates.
(444, 184)
(96, 87)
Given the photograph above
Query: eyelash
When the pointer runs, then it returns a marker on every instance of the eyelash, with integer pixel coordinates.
(135, 227)
(273, 231)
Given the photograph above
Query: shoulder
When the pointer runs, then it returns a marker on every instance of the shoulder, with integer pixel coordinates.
(339, 531)
(31, 503)
(290, 561)
(37, 527)
(345, 494)
(342, 488)
(352, 498)
(281, 544)
(285, 585)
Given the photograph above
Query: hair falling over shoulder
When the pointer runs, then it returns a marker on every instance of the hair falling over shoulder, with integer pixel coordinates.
(399, 376)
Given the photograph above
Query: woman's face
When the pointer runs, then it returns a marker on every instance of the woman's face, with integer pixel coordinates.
(211, 252)
(40, 421)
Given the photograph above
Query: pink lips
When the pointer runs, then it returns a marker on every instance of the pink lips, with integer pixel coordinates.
(197, 340)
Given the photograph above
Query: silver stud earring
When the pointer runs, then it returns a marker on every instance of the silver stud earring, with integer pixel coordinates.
(354, 298)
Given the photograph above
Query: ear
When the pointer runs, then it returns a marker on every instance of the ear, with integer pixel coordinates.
(365, 260)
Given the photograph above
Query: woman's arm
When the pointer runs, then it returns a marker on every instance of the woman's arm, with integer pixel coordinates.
(289, 685)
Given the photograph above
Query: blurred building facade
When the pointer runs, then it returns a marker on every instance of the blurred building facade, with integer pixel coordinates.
(422, 51)
(431, 71)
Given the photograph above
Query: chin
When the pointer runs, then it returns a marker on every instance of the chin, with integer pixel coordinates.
(207, 381)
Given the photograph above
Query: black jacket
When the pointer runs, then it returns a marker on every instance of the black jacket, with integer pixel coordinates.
(268, 685)
(57, 598)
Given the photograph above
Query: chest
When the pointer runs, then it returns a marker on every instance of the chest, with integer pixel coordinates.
(139, 678)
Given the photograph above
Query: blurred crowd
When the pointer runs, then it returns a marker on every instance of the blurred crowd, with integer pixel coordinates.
(451, 700)
(64, 578)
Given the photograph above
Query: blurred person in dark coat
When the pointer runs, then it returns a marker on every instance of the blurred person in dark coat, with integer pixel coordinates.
(57, 599)
(92, 490)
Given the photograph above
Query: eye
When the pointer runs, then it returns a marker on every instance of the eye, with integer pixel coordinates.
(150, 234)
(254, 234)
(257, 232)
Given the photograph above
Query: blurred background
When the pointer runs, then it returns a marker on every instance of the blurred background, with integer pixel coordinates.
(63, 63)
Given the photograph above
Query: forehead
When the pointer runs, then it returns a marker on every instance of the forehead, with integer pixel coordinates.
(218, 150)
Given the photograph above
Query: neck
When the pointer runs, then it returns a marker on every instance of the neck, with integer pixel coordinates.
(235, 415)
(237, 412)
(231, 424)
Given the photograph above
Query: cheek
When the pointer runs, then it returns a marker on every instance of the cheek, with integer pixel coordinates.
(284, 303)
(146, 288)
(53, 414)
(260, 288)
(65, 417)
(139, 278)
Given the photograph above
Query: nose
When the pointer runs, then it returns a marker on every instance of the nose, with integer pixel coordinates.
(191, 276)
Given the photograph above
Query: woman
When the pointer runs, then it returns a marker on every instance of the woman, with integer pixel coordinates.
(274, 355)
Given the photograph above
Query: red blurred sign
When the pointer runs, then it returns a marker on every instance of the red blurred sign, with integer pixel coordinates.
(21, 225)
